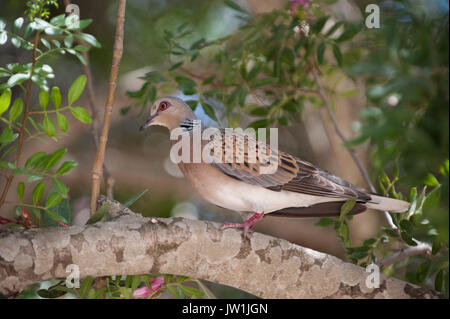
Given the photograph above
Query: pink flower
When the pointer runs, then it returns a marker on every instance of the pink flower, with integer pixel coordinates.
(144, 292)
(295, 3)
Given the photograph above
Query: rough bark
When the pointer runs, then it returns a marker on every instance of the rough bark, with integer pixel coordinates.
(129, 243)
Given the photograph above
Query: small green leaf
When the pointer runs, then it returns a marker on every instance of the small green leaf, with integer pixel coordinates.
(38, 191)
(134, 198)
(90, 39)
(16, 110)
(15, 80)
(5, 101)
(191, 291)
(60, 187)
(85, 286)
(20, 190)
(43, 99)
(56, 97)
(209, 110)
(46, 43)
(76, 89)
(54, 158)
(17, 24)
(66, 167)
(337, 54)
(63, 124)
(34, 159)
(320, 52)
(81, 114)
(53, 200)
(430, 180)
(324, 222)
(438, 281)
(49, 127)
(233, 5)
(346, 208)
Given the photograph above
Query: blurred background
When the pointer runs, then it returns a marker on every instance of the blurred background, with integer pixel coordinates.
(139, 161)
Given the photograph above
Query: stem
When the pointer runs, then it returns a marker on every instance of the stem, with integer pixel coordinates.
(24, 122)
(97, 170)
(420, 249)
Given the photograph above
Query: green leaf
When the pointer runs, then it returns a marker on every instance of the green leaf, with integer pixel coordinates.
(85, 286)
(56, 97)
(60, 213)
(38, 191)
(16, 110)
(174, 291)
(191, 291)
(346, 208)
(81, 114)
(438, 281)
(134, 198)
(60, 187)
(430, 180)
(49, 127)
(53, 199)
(34, 178)
(324, 222)
(320, 52)
(209, 110)
(68, 41)
(76, 89)
(46, 43)
(63, 124)
(5, 101)
(66, 167)
(262, 82)
(43, 99)
(135, 283)
(3, 37)
(17, 24)
(337, 54)
(320, 23)
(20, 190)
(17, 79)
(54, 158)
(90, 39)
(233, 5)
(33, 159)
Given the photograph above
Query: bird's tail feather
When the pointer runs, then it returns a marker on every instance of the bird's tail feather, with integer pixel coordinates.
(387, 204)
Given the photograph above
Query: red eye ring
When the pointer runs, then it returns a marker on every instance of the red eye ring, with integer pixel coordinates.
(163, 106)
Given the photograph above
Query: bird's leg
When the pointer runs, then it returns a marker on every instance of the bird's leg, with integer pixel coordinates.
(247, 225)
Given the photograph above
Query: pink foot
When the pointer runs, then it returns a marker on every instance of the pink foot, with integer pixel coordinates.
(247, 225)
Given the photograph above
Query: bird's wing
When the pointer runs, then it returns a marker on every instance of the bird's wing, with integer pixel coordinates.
(291, 173)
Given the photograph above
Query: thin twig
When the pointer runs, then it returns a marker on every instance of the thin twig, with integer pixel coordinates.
(424, 246)
(24, 121)
(352, 152)
(108, 179)
(97, 170)
(421, 249)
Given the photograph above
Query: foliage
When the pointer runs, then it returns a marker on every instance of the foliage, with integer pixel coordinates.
(124, 287)
(41, 172)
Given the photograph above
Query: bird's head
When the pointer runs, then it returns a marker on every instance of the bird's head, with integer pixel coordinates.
(169, 112)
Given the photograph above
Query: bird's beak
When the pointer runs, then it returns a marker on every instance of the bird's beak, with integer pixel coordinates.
(148, 122)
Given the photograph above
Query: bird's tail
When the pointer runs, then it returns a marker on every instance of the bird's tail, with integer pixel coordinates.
(387, 204)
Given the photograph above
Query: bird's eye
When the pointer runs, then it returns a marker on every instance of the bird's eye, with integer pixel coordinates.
(163, 106)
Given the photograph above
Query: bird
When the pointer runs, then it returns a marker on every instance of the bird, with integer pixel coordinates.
(296, 188)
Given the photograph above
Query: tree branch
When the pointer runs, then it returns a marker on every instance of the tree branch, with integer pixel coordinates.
(109, 180)
(97, 170)
(265, 266)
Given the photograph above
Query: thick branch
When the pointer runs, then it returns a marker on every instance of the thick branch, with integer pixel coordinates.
(265, 266)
